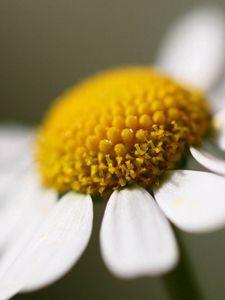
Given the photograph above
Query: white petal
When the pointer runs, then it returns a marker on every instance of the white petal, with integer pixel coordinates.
(10, 174)
(219, 123)
(192, 200)
(136, 239)
(14, 142)
(30, 218)
(15, 199)
(193, 50)
(208, 160)
(55, 247)
(217, 96)
(16, 155)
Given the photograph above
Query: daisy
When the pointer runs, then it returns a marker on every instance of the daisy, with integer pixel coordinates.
(114, 136)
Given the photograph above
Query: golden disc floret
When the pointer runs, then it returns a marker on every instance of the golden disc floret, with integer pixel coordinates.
(116, 128)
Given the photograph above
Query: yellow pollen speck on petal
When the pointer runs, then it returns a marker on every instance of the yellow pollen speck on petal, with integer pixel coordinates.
(116, 128)
(178, 202)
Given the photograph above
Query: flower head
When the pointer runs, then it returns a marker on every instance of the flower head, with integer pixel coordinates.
(119, 127)
(116, 133)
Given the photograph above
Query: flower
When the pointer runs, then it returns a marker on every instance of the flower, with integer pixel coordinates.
(44, 237)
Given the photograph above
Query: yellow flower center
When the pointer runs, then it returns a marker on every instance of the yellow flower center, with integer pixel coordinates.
(119, 127)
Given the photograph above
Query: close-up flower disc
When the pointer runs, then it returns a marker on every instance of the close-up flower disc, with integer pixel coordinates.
(117, 128)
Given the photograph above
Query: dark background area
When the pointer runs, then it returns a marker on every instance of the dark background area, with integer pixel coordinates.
(45, 47)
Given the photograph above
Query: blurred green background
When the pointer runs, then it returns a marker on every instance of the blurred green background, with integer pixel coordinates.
(45, 47)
